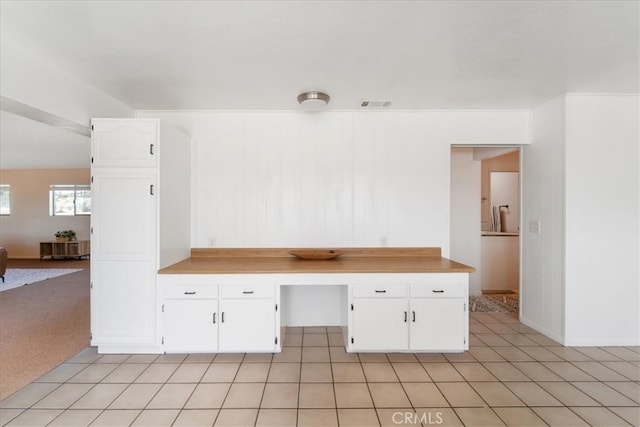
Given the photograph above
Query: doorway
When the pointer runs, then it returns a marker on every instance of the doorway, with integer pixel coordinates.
(485, 216)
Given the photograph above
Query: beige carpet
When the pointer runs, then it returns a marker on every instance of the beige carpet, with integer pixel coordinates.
(16, 277)
(42, 324)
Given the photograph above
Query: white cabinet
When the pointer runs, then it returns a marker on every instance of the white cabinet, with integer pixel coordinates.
(124, 217)
(190, 325)
(124, 238)
(189, 314)
(379, 324)
(429, 314)
(437, 324)
(124, 142)
(138, 225)
(201, 316)
(249, 318)
(122, 305)
(247, 325)
(438, 316)
(379, 317)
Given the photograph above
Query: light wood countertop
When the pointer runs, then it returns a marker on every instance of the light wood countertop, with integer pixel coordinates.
(278, 260)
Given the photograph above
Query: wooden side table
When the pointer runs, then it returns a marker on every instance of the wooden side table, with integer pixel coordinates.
(68, 249)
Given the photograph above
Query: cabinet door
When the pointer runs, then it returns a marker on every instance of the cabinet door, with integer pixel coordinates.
(124, 258)
(124, 142)
(437, 324)
(122, 303)
(247, 325)
(190, 325)
(123, 220)
(380, 324)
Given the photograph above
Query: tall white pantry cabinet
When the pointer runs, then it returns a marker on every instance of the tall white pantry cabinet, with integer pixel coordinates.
(139, 224)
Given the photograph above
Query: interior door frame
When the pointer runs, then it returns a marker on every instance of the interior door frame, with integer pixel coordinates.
(521, 154)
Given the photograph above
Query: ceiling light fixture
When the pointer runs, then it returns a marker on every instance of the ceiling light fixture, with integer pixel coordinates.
(313, 100)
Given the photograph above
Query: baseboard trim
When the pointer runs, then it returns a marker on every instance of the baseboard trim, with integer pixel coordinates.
(129, 349)
(542, 330)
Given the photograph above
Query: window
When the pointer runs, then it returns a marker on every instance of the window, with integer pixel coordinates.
(69, 200)
(5, 199)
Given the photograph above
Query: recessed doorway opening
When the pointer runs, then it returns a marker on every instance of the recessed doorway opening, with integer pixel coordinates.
(486, 219)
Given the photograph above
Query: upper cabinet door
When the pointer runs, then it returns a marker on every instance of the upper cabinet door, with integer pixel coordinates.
(125, 142)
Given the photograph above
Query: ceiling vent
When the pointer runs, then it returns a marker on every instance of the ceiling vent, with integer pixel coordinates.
(378, 103)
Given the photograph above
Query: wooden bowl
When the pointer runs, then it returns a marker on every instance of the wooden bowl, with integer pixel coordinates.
(315, 253)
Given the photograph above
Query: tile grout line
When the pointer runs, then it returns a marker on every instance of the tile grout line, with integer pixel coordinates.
(264, 390)
(452, 361)
(192, 391)
(80, 397)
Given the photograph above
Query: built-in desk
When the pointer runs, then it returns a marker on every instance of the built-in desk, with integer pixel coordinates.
(354, 260)
(388, 299)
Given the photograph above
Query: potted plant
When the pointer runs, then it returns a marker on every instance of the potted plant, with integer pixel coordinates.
(65, 235)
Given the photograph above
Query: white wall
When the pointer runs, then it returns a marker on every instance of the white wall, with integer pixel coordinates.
(175, 196)
(580, 278)
(287, 179)
(465, 213)
(543, 200)
(602, 220)
(30, 222)
(280, 179)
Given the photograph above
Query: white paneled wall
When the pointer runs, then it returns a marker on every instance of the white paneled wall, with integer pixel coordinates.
(281, 179)
(330, 179)
(491, 128)
(543, 190)
(401, 190)
(579, 271)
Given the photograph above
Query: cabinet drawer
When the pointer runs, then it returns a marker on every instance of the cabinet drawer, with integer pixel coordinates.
(379, 291)
(449, 290)
(195, 291)
(247, 291)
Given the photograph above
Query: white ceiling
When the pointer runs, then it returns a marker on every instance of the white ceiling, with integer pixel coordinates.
(28, 144)
(262, 54)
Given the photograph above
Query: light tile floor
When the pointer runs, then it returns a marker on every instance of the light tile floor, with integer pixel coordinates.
(511, 375)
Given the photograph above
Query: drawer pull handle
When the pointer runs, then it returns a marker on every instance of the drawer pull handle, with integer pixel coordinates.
(438, 291)
(214, 318)
(414, 316)
(190, 293)
(405, 317)
(247, 292)
(381, 292)
(222, 317)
